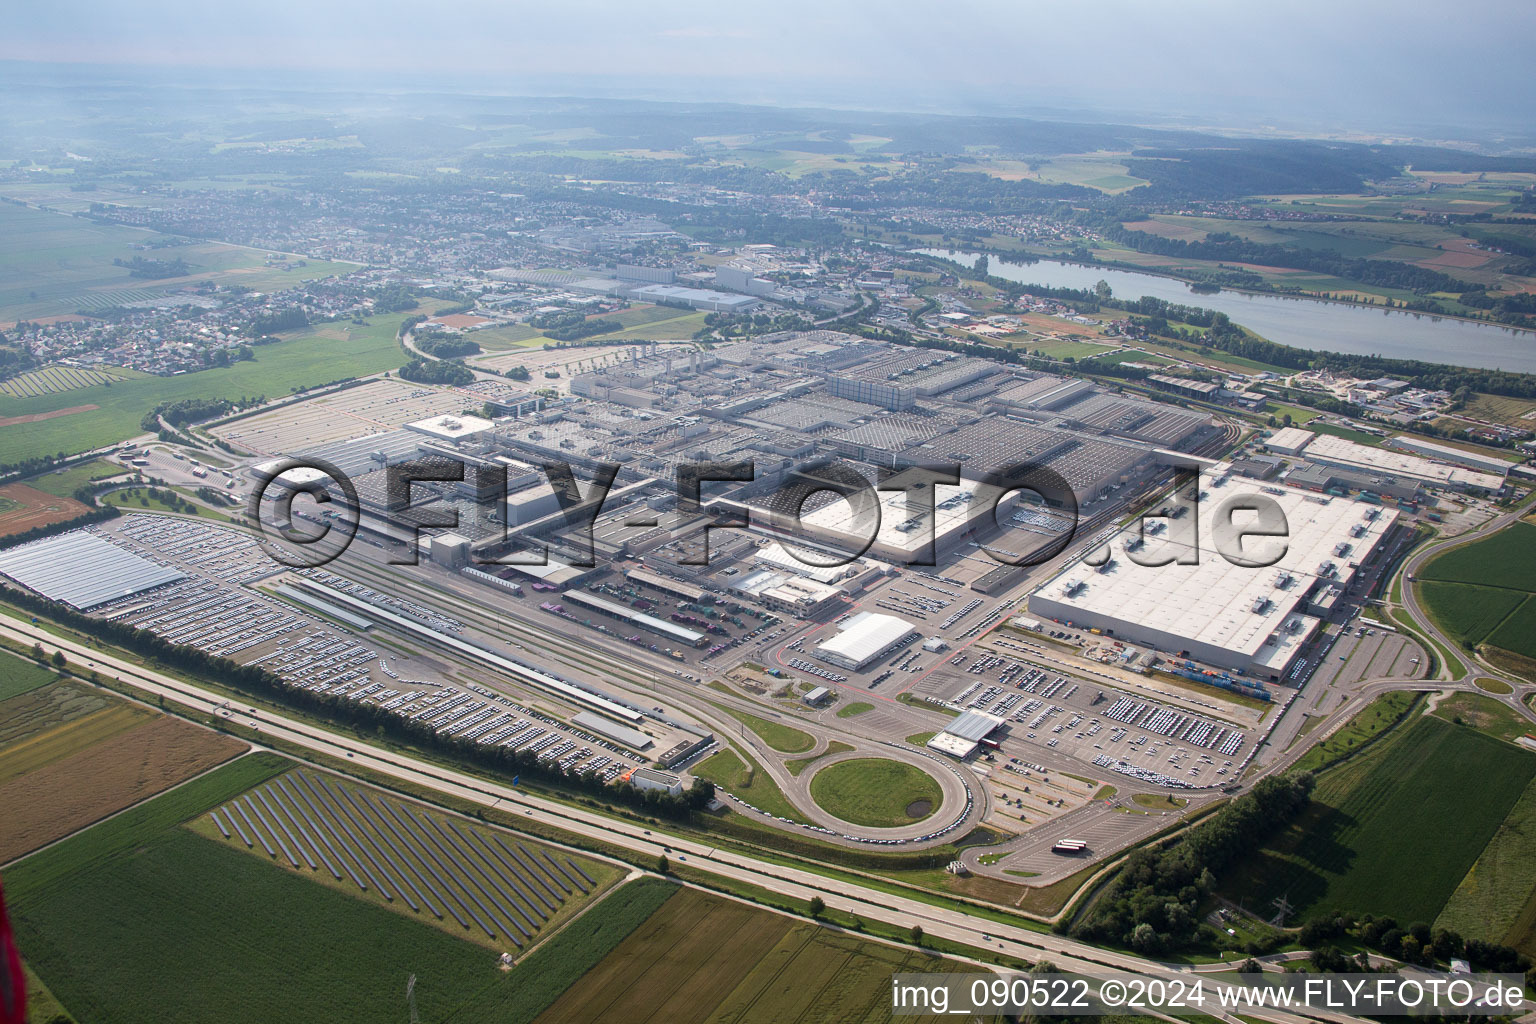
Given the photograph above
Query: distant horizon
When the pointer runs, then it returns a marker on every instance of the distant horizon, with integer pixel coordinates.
(1378, 71)
(1492, 138)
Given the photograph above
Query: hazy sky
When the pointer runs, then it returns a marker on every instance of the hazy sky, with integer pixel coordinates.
(1386, 63)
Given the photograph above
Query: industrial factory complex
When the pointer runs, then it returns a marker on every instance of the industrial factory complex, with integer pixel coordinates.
(859, 565)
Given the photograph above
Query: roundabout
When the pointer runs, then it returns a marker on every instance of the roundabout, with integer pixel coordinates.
(876, 792)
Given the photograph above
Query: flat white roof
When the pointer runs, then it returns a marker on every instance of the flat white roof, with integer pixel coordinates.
(866, 635)
(1444, 452)
(897, 531)
(292, 478)
(1213, 602)
(954, 746)
(1339, 451)
(776, 554)
(1289, 440)
(451, 427)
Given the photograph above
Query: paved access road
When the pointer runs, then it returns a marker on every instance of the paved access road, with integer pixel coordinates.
(901, 911)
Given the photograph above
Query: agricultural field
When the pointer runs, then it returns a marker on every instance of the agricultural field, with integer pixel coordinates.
(1103, 171)
(56, 379)
(142, 919)
(53, 264)
(1371, 819)
(18, 677)
(680, 325)
(33, 708)
(23, 508)
(640, 322)
(503, 339)
(1518, 412)
(70, 755)
(641, 315)
(1383, 227)
(1487, 902)
(1517, 634)
(101, 416)
(46, 743)
(1485, 591)
(1467, 613)
(1056, 348)
(479, 884)
(876, 792)
(702, 958)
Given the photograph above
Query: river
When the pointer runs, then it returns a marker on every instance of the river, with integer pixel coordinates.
(1302, 323)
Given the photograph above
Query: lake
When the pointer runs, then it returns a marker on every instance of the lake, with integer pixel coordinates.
(1301, 323)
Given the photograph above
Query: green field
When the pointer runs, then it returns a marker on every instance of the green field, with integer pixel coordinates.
(1518, 632)
(1401, 810)
(639, 316)
(800, 764)
(18, 676)
(1467, 614)
(748, 782)
(52, 264)
(1368, 723)
(1062, 349)
(1482, 592)
(1486, 714)
(62, 483)
(141, 919)
(1300, 414)
(308, 358)
(681, 325)
(1487, 902)
(783, 738)
(1505, 559)
(876, 792)
(503, 339)
(702, 959)
(856, 708)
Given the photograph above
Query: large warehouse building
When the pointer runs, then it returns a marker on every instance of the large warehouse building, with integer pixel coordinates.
(1250, 620)
(83, 570)
(865, 638)
(1456, 470)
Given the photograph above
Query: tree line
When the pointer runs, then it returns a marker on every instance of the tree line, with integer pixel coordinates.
(1153, 904)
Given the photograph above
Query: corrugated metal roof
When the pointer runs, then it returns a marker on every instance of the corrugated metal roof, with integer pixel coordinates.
(83, 570)
(973, 725)
(614, 731)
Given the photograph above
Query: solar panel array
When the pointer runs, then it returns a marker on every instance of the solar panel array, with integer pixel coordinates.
(426, 861)
(83, 570)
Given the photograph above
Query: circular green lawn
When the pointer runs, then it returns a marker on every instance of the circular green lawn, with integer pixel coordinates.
(876, 792)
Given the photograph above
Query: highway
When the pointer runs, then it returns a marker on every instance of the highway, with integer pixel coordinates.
(796, 883)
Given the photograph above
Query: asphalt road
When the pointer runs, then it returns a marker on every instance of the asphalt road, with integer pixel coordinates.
(901, 911)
